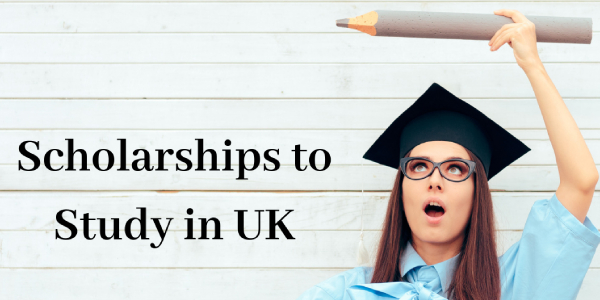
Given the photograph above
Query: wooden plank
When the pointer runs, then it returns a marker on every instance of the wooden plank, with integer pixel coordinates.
(286, 80)
(311, 211)
(345, 147)
(266, 114)
(287, 178)
(159, 284)
(155, 284)
(184, 283)
(193, 1)
(308, 249)
(266, 48)
(241, 17)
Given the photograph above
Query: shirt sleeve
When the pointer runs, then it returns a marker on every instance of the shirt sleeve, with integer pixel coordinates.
(334, 288)
(552, 256)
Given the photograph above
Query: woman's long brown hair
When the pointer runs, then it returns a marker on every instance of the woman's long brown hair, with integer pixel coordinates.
(477, 274)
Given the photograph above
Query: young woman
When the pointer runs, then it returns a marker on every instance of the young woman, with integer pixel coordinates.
(438, 239)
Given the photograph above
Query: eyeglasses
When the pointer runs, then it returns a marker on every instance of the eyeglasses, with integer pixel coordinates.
(456, 170)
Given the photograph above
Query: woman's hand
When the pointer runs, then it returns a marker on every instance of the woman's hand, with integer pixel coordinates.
(520, 36)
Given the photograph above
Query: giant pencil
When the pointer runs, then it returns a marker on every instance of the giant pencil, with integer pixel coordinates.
(465, 26)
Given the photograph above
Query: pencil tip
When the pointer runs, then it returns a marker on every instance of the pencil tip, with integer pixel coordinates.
(342, 22)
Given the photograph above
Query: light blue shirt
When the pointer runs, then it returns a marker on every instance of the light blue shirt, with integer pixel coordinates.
(553, 244)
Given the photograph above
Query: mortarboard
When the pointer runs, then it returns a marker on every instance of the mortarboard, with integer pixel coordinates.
(438, 115)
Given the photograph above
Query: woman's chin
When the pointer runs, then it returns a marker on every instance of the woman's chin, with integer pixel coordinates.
(433, 235)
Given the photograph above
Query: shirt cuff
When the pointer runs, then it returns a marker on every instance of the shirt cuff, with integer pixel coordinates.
(585, 231)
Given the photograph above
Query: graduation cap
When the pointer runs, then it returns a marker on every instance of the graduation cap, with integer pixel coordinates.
(438, 115)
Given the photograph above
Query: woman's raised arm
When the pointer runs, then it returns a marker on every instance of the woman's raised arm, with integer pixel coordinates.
(576, 167)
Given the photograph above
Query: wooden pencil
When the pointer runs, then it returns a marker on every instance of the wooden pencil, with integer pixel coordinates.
(466, 26)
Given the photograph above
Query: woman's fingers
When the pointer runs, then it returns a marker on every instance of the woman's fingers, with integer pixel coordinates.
(522, 33)
(515, 15)
(497, 33)
(500, 40)
(500, 31)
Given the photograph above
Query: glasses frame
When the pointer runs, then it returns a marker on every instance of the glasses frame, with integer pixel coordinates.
(470, 163)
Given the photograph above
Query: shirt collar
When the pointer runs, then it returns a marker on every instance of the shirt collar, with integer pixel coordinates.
(411, 259)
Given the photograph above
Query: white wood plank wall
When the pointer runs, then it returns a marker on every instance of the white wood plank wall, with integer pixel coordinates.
(264, 74)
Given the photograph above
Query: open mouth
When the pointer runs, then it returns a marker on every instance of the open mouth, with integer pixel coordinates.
(434, 211)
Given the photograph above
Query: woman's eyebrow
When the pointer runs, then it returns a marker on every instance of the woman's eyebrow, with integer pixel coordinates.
(451, 157)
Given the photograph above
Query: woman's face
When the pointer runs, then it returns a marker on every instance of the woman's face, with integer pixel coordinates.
(457, 197)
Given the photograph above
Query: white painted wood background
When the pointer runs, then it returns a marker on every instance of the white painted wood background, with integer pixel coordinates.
(264, 74)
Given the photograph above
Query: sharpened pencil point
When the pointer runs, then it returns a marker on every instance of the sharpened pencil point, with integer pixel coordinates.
(342, 23)
(364, 23)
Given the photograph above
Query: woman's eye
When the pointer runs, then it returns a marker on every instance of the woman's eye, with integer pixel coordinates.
(455, 170)
(420, 168)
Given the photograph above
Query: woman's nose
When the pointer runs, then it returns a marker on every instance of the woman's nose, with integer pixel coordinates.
(436, 179)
